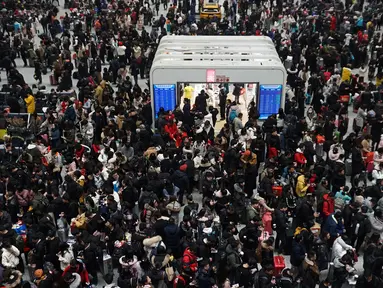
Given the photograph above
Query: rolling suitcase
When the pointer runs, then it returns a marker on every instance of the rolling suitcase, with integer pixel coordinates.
(107, 264)
(348, 167)
(279, 264)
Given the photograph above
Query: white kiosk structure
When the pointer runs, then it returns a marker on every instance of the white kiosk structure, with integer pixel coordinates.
(218, 59)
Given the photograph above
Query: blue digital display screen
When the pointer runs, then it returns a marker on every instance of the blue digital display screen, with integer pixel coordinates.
(269, 100)
(165, 97)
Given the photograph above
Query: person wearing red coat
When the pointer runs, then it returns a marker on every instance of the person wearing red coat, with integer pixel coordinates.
(189, 260)
(299, 157)
(328, 205)
(171, 129)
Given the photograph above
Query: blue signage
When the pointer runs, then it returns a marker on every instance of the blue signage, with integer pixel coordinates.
(269, 100)
(165, 97)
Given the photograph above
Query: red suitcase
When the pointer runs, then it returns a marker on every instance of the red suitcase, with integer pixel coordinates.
(279, 264)
(277, 190)
(52, 80)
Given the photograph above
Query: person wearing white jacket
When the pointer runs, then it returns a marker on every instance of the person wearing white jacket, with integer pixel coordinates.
(10, 256)
(339, 247)
(65, 256)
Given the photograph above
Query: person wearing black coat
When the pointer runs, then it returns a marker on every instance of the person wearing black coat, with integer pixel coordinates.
(361, 226)
(5, 221)
(348, 213)
(181, 180)
(298, 253)
(357, 161)
(374, 191)
(205, 278)
(305, 213)
(338, 180)
(173, 237)
(200, 101)
(368, 280)
(38, 250)
(265, 277)
(280, 221)
(320, 246)
(53, 248)
(90, 259)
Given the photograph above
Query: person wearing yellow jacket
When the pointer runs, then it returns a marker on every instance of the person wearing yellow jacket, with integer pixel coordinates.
(302, 185)
(30, 101)
(99, 91)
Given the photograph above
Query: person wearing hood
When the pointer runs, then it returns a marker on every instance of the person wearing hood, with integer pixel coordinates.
(129, 262)
(292, 76)
(13, 279)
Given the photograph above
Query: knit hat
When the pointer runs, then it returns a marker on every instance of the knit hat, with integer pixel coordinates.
(39, 273)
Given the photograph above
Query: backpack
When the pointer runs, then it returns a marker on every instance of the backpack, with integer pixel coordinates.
(222, 255)
(193, 210)
(179, 278)
(154, 250)
(39, 204)
(232, 115)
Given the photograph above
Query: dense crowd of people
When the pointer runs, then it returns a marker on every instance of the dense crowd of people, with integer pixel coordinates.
(89, 189)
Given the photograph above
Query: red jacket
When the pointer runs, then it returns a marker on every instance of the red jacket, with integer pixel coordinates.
(81, 270)
(171, 129)
(189, 260)
(328, 205)
(300, 158)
